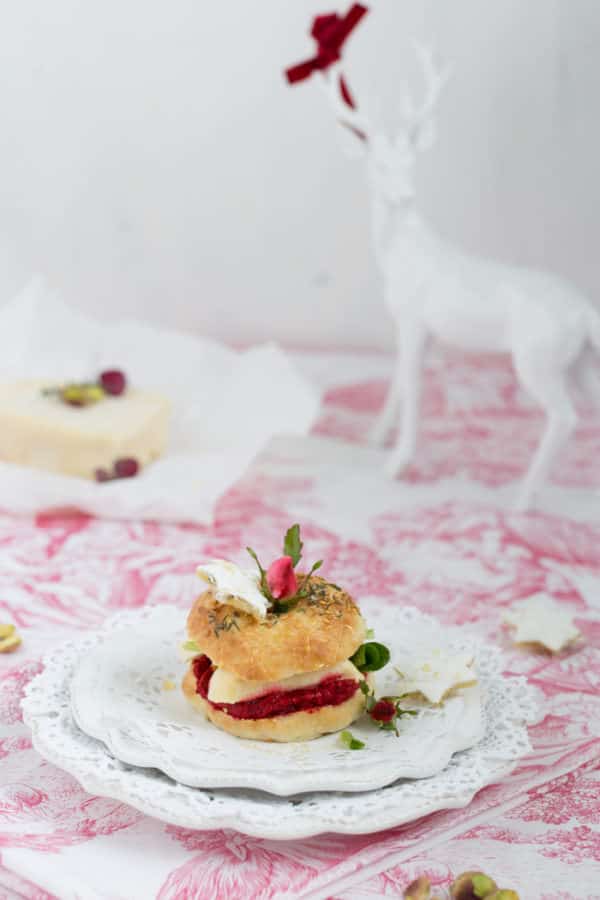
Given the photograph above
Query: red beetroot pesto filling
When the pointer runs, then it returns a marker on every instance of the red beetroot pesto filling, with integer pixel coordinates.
(331, 691)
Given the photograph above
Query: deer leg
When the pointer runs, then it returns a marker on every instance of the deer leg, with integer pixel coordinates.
(409, 375)
(387, 417)
(587, 377)
(549, 388)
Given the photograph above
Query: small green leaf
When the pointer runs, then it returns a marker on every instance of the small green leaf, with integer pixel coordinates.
(304, 589)
(264, 584)
(371, 657)
(256, 560)
(387, 726)
(191, 647)
(359, 658)
(369, 694)
(349, 741)
(292, 545)
(370, 633)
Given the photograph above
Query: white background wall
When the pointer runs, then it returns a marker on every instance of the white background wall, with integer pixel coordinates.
(153, 161)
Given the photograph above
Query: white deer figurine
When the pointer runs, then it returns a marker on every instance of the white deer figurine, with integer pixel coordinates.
(432, 288)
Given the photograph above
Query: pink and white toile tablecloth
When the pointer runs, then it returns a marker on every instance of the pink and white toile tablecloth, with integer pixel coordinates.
(444, 540)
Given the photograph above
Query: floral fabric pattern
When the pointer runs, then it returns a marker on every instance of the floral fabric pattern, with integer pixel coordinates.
(443, 540)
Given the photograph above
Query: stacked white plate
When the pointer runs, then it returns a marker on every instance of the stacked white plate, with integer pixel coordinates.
(102, 710)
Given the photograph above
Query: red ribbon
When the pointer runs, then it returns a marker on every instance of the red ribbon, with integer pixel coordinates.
(330, 32)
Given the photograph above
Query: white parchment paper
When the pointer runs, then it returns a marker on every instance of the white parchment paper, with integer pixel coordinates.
(226, 406)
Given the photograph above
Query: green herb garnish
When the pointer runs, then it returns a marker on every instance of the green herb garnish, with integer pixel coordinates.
(191, 647)
(292, 545)
(349, 741)
(225, 624)
(373, 705)
(303, 590)
(264, 584)
(369, 694)
(371, 657)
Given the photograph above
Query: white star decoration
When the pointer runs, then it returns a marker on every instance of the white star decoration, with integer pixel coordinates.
(539, 620)
(434, 673)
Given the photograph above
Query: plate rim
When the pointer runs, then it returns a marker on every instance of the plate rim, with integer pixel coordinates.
(304, 826)
(361, 776)
(159, 797)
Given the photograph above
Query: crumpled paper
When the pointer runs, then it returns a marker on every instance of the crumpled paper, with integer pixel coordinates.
(227, 405)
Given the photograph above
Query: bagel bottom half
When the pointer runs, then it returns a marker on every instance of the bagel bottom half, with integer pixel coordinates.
(304, 725)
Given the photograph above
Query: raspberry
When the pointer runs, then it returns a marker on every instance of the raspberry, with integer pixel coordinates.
(113, 381)
(383, 711)
(126, 467)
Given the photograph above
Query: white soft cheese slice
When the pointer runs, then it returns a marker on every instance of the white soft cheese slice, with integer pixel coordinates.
(227, 688)
(45, 433)
(235, 586)
(540, 620)
(434, 673)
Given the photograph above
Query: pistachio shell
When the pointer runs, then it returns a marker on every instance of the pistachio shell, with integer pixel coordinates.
(420, 889)
(472, 886)
(483, 885)
(94, 392)
(7, 645)
(82, 394)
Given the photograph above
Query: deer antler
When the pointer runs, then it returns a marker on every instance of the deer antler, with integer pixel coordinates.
(343, 103)
(418, 119)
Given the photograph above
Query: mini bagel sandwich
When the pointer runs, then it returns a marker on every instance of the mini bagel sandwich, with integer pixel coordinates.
(272, 651)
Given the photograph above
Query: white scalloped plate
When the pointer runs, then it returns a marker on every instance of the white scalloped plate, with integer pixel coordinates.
(117, 698)
(509, 705)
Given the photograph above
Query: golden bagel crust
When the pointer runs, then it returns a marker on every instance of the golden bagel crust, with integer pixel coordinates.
(323, 629)
(298, 726)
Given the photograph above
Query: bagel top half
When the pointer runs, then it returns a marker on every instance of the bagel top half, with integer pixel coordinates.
(322, 629)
